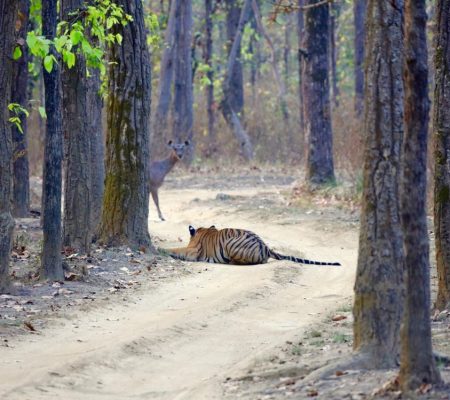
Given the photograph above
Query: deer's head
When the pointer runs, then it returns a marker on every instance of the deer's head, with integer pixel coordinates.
(178, 149)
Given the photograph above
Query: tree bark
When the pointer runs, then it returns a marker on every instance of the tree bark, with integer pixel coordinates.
(334, 14)
(77, 232)
(19, 95)
(359, 15)
(236, 89)
(417, 364)
(51, 263)
(183, 89)
(8, 14)
(441, 133)
(316, 95)
(229, 114)
(207, 59)
(379, 286)
(301, 54)
(125, 201)
(159, 125)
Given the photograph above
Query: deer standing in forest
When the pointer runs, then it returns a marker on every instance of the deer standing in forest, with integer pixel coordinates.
(160, 168)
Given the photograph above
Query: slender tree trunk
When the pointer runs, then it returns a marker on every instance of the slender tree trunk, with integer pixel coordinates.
(8, 14)
(159, 124)
(379, 286)
(334, 13)
(301, 54)
(359, 15)
(19, 95)
(236, 89)
(316, 95)
(183, 90)
(417, 366)
(229, 114)
(125, 201)
(287, 50)
(76, 130)
(51, 263)
(441, 132)
(210, 74)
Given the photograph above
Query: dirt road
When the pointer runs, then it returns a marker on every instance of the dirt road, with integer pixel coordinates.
(183, 339)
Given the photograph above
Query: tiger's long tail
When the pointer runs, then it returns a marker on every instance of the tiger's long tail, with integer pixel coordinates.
(278, 256)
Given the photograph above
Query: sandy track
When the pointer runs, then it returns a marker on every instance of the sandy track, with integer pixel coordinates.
(181, 340)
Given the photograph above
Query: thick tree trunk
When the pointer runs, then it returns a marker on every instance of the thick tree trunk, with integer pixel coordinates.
(359, 15)
(236, 89)
(19, 95)
(125, 201)
(316, 95)
(77, 232)
(230, 115)
(207, 59)
(417, 364)
(51, 262)
(97, 146)
(8, 14)
(159, 125)
(183, 89)
(441, 133)
(379, 286)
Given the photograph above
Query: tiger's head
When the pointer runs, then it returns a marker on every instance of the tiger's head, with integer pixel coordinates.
(198, 235)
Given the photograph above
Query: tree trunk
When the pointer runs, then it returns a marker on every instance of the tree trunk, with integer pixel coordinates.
(301, 54)
(417, 364)
(334, 13)
(19, 95)
(125, 201)
(97, 146)
(183, 90)
(159, 132)
(76, 130)
(8, 14)
(207, 59)
(359, 15)
(441, 133)
(316, 95)
(51, 262)
(379, 286)
(236, 89)
(229, 114)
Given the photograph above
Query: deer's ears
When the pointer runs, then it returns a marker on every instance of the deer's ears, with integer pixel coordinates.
(191, 230)
(187, 142)
(169, 143)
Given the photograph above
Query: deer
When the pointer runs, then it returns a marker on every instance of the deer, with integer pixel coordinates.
(160, 168)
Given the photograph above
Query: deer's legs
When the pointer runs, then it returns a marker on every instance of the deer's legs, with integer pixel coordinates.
(156, 201)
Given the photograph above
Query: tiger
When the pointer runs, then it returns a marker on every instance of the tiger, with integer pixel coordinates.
(231, 246)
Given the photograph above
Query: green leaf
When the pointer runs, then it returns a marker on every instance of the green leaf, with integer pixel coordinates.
(70, 59)
(76, 36)
(17, 53)
(119, 38)
(60, 42)
(48, 63)
(42, 112)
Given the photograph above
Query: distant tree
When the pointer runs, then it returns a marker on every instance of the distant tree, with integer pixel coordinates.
(236, 90)
(417, 364)
(183, 99)
(8, 14)
(334, 19)
(229, 113)
(316, 94)
(441, 133)
(359, 15)
(159, 122)
(126, 197)
(207, 59)
(379, 286)
(301, 54)
(51, 263)
(19, 95)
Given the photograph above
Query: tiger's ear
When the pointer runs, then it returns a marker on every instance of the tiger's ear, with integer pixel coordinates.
(191, 230)
(212, 227)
